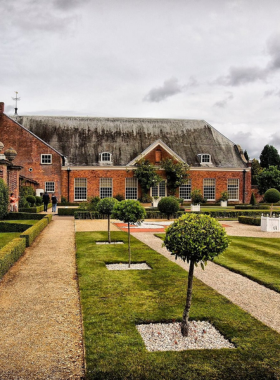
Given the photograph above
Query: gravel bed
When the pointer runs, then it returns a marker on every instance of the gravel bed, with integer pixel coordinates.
(140, 266)
(168, 337)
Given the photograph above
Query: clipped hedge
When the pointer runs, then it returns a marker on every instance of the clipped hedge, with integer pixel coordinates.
(253, 221)
(68, 204)
(23, 216)
(88, 215)
(251, 207)
(66, 211)
(35, 209)
(234, 214)
(10, 253)
(32, 232)
(13, 227)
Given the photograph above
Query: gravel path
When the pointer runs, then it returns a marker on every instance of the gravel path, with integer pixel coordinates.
(41, 333)
(262, 303)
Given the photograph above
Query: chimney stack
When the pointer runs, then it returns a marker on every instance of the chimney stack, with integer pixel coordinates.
(1, 108)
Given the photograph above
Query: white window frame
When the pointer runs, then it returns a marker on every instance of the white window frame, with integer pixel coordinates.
(131, 188)
(205, 158)
(80, 188)
(186, 188)
(46, 159)
(209, 183)
(107, 155)
(157, 191)
(235, 188)
(50, 186)
(105, 183)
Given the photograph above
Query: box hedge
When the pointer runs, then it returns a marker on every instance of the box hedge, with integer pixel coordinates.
(10, 253)
(23, 216)
(253, 221)
(13, 227)
(31, 233)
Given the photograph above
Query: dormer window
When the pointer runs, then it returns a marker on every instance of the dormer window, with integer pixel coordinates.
(205, 158)
(105, 158)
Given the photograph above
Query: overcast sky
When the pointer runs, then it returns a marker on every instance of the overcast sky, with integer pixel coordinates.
(217, 60)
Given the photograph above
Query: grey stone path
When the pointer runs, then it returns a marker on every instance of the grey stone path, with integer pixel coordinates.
(41, 333)
(262, 303)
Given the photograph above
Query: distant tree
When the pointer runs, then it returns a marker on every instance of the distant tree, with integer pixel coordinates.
(168, 206)
(147, 175)
(246, 155)
(129, 212)
(269, 157)
(4, 199)
(105, 206)
(177, 173)
(268, 178)
(196, 238)
(256, 169)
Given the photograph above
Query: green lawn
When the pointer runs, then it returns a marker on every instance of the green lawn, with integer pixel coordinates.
(113, 302)
(256, 258)
(6, 237)
(31, 222)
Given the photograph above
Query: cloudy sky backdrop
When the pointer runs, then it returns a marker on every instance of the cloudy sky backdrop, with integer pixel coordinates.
(216, 60)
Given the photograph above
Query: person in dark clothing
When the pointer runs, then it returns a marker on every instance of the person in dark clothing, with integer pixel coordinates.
(46, 200)
(54, 203)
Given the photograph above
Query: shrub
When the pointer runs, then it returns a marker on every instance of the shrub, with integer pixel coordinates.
(253, 201)
(31, 233)
(253, 221)
(13, 227)
(10, 253)
(196, 197)
(177, 173)
(24, 216)
(272, 196)
(23, 202)
(31, 200)
(147, 175)
(146, 198)
(195, 238)
(4, 199)
(168, 206)
(63, 200)
(119, 197)
(91, 205)
(39, 201)
(224, 196)
(24, 191)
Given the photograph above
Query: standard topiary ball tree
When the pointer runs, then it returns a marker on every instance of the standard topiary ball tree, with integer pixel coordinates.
(196, 239)
(168, 206)
(31, 199)
(105, 207)
(272, 196)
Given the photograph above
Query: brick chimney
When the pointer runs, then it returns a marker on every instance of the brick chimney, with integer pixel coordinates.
(1, 108)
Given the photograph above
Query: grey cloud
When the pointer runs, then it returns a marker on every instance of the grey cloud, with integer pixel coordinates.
(223, 103)
(274, 51)
(249, 141)
(272, 93)
(242, 75)
(68, 4)
(9, 108)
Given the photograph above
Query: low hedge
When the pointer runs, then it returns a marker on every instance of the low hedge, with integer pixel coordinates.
(68, 204)
(88, 215)
(13, 227)
(34, 210)
(253, 221)
(251, 207)
(23, 216)
(32, 232)
(66, 211)
(10, 253)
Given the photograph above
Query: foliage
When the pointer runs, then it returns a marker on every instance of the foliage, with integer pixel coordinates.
(4, 199)
(253, 201)
(246, 155)
(105, 207)
(196, 196)
(24, 191)
(272, 196)
(63, 200)
(31, 200)
(177, 173)
(91, 205)
(10, 253)
(269, 157)
(256, 169)
(146, 198)
(251, 220)
(268, 178)
(31, 233)
(168, 206)
(119, 197)
(224, 196)
(129, 211)
(195, 238)
(147, 175)
(23, 203)
(39, 200)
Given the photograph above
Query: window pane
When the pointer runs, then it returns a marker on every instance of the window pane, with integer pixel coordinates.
(131, 185)
(209, 189)
(205, 158)
(155, 191)
(46, 158)
(106, 188)
(185, 191)
(106, 157)
(233, 189)
(80, 187)
(49, 187)
(161, 189)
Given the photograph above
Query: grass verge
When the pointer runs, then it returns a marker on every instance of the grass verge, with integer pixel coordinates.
(113, 302)
(6, 237)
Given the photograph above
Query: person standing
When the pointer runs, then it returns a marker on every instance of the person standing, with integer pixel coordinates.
(54, 203)
(46, 200)
(13, 203)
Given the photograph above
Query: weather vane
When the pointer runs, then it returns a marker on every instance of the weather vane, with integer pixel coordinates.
(16, 99)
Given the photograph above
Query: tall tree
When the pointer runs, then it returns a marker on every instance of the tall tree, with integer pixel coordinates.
(269, 157)
(268, 178)
(246, 155)
(256, 169)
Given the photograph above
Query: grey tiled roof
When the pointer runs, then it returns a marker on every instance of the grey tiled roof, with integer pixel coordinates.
(81, 139)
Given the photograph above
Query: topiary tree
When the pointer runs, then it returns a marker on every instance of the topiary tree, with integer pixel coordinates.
(39, 200)
(177, 173)
(147, 176)
(31, 199)
(129, 211)
(4, 199)
(168, 206)
(272, 196)
(253, 201)
(196, 197)
(196, 239)
(105, 207)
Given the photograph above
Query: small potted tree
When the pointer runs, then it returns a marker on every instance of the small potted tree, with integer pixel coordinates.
(168, 206)
(224, 199)
(105, 207)
(268, 223)
(155, 201)
(195, 238)
(196, 198)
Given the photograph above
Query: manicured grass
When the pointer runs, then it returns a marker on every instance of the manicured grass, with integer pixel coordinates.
(6, 237)
(255, 258)
(31, 222)
(113, 302)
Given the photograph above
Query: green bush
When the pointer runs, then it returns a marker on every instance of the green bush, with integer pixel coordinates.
(196, 197)
(32, 232)
(24, 216)
(253, 221)
(91, 205)
(13, 227)
(68, 211)
(32, 210)
(39, 200)
(168, 206)
(23, 204)
(63, 200)
(4, 199)
(31, 200)
(251, 207)
(68, 204)
(24, 191)
(146, 198)
(253, 201)
(119, 197)
(10, 253)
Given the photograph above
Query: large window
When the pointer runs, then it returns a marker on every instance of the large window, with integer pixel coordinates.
(131, 185)
(209, 189)
(80, 186)
(233, 189)
(46, 158)
(159, 190)
(106, 187)
(185, 191)
(49, 187)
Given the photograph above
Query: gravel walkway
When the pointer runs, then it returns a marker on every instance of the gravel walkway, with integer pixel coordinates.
(262, 303)
(41, 333)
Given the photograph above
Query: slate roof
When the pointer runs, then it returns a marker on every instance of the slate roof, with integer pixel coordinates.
(81, 139)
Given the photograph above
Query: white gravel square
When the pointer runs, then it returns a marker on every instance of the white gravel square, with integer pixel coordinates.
(168, 337)
(140, 266)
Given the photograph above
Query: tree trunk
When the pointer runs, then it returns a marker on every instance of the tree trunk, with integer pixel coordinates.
(184, 324)
(271, 208)
(129, 252)
(109, 232)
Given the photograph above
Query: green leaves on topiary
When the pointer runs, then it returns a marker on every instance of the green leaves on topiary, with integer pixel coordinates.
(105, 207)
(4, 199)
(272, 196)
(168, 206)
(196, 197)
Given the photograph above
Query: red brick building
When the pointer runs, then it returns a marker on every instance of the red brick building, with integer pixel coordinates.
(79, 158)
